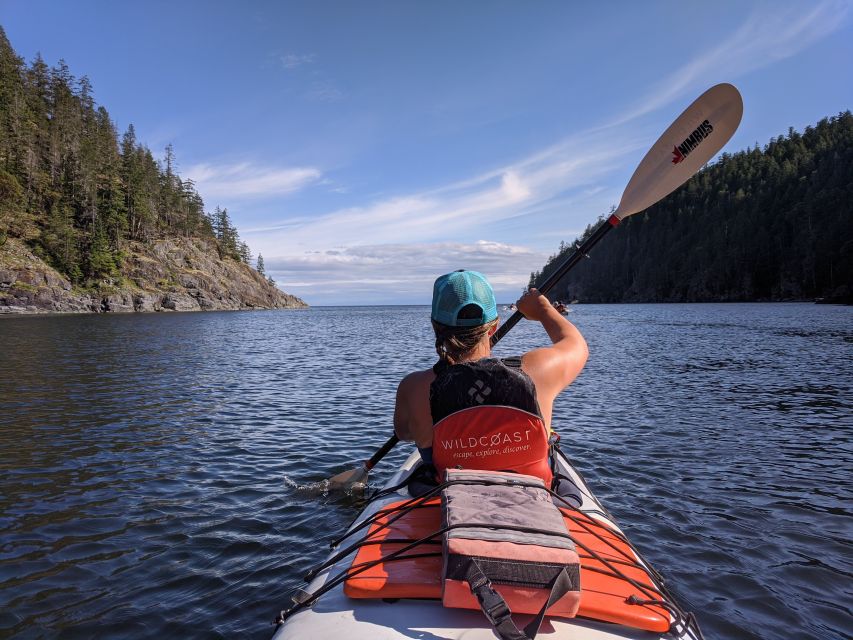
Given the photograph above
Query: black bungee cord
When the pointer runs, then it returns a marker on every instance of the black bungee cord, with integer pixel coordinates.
(655, 594)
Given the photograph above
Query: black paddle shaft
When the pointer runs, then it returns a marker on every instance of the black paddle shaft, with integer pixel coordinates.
(580, 253)
(385, 448)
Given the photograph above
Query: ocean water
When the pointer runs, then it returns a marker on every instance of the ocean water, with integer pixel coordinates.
(161, 475)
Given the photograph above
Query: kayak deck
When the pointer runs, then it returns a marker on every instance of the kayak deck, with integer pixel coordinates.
(392, 617)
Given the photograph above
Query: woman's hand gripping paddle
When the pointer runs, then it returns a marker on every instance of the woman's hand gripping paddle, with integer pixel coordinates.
(692, 140)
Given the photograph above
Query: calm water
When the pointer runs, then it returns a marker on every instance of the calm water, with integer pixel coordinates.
(150, 464)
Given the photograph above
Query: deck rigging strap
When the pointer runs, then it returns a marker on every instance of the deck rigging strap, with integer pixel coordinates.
(655, 594)
(496, 610)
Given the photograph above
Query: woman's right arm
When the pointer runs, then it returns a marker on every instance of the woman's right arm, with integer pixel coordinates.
(401, 411)
(552, 368)
(412, 418)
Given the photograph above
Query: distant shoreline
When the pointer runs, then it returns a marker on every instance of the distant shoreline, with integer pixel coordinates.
(588, 304)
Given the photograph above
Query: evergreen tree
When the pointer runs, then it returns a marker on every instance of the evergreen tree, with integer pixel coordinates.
(260, 265)
(13, 109)
(243, 252)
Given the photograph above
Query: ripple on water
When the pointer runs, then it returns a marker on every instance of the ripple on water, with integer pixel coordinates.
(167, 475)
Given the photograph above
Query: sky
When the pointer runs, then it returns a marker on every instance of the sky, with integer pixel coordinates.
(364, 148)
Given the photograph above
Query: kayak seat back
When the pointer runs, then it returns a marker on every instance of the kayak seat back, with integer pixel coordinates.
(492, 438)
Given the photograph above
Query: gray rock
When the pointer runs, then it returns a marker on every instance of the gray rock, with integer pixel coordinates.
(30, 277)
(176, 274)
(188, 280)
(117, 303)
(146, 302)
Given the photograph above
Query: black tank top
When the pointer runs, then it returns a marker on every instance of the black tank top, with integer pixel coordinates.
(490, 381)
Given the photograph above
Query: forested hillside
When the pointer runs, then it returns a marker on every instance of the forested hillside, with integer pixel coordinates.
(94, 206)
(762, 224)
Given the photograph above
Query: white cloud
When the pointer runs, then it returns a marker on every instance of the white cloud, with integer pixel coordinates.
(294, 60)
(513, 187)
(246, 180)
(768, 36)
(401, 273)
(391, 250)
(458, 211)
(324, 91)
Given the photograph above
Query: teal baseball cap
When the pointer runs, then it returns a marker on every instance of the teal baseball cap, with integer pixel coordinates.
(454, 291)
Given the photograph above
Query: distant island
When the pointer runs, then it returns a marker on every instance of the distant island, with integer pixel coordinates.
(93, 223)
(765, 224)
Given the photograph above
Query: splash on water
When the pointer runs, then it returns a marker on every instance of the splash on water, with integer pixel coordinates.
(323, 488)
(320, 488)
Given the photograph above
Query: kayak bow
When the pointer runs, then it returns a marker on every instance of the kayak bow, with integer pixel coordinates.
(356, 596)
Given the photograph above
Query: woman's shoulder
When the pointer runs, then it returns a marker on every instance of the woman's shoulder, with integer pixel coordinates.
(417, 379)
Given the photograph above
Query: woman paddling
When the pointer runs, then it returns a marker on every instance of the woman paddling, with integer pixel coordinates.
(474, 411)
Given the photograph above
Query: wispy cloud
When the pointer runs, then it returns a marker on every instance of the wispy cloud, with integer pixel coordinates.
(246, 180)
(392, 249)
(770, 34)
(324, 91)
(295, 60)
(460, 210)
(399, 272)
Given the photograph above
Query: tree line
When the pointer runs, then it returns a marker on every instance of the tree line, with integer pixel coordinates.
(76, 191)
(771, 223)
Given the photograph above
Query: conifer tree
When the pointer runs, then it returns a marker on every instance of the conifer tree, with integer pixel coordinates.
(243, 252)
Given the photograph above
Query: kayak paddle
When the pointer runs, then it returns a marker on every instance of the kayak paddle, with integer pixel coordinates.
(692, 140)
(358, 475)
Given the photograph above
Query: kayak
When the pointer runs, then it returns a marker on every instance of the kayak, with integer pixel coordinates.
(621, 595)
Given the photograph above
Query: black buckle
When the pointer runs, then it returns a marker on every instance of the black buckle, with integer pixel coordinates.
(497, 613)
(493, 605)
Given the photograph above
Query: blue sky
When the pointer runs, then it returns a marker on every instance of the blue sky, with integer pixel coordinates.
(366, 147)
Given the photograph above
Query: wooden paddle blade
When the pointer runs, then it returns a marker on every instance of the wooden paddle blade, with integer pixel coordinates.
(692, 140)
(349, 478)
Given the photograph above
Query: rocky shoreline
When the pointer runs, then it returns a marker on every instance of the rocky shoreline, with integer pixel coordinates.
(174, 274)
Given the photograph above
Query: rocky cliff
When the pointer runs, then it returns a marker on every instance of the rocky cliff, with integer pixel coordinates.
(174, 274)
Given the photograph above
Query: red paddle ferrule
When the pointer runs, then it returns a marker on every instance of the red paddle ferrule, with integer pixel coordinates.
(385, 448)
(613, 221)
